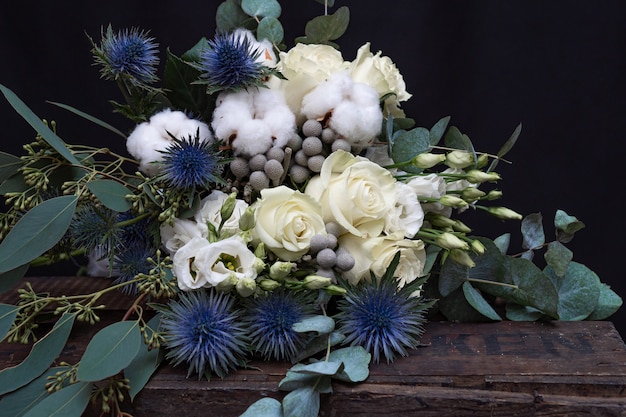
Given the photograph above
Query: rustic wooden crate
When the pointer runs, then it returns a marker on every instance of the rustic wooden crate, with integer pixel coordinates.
(489, 369)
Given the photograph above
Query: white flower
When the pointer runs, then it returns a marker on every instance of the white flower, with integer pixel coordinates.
(407, 215)
(175, 236)
(150, 137)
(354, 108)
(210, 212)
(383, 75)
(286, 220)
(267, 56)
(376, 254)
(430, 186)
(99, 264)
(200, 263)
(354, 193)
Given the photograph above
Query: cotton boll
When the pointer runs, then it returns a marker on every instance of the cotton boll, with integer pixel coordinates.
(270, 106)
(358, 125)
(177, 124)
(144, 144)
(253, 137)
(326, 96)
(231, 110)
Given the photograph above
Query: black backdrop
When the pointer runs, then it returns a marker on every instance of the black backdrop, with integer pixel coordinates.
(557, 67)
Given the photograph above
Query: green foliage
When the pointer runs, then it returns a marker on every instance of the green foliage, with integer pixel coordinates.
(70, 401)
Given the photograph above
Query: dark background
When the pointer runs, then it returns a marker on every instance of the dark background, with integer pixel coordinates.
(555, 66)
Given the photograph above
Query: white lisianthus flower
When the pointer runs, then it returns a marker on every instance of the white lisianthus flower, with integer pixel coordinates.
(153, 136)
(458, 185)
(354, 108)
(376, 254)
(200, 263)
(174, 236)
(430, 186)
(383, 75)
(286, 220)
(210, 212)
(407, 216)
(354, 192)
(305, 66)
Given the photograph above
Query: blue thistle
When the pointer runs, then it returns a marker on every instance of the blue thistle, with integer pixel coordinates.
(128, 53)
(231, 64)
(94, 228)
(190, 163)
(270, 318)
(129, 261)
(133, 232)
(382, 318)
(202, 329)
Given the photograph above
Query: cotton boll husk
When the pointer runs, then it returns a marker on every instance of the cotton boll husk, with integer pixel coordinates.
(253, 137)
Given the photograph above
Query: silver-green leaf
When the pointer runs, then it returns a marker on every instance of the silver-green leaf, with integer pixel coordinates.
(70, 401)
(112, 194)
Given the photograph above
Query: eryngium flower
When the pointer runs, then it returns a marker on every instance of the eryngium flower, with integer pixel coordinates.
(270, 318)
(95, 228)
(381, 318)
(190, 163)
(231, 64)
(130, 53)
(203, 329)
(130, 261)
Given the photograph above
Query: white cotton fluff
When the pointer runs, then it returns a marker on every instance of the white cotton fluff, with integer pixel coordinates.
(254, 137)
(270, 106)
(230, 110)
(267, 56)
(153, 136)
(355, 111)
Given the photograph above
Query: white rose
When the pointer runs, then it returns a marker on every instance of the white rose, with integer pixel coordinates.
(286, 220)
(382, 74)
(200, 263)
(407, 216)
(354, 192)
(210, 212)
(177, 235)
(304, 67)
(153, 136)
(376, 254)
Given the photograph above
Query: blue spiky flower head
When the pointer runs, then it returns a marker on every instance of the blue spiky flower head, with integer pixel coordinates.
(230, 63)
(270, 318)
(381, 318)
(95, 228)
(131, 260)
(129, 53)
(202, 328)
(190, 163)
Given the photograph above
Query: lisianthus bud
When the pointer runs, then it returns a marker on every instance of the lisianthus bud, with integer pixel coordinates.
(227, 284)
(259, 251)
(494, 195)
(459, 226)
(450, 200)
(459, 159)
(258, 265)
(246, 286)
(504, 213)
(477, 247)
(439, 220)
(246, 221)
(450, 241)
(477, 176)
(461, 257)
(315, 282)
(472, 194)
(428, 160)
(333, 289)
(482, 161)
(269, 284)
(228, 207)
(279, 270)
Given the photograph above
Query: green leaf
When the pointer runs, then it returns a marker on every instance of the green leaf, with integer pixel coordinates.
(9, 165)
(516, 312)
(476, 300)
(90, 118)
(43, 353)
(230, 16)
(8, 313)
(608, 303)
(109, 351)
(265, 407)
(322, 29)
(579, 291)
(143, 365)
(508, 145)
(558, 256)
(261, 8)
(36, 232)
(9, 279)
(18, 402)
(318, 324)
(457, 140)
(456, 308)
(355, 361)
(408, 144)
(566, 226)
(112, 194)
(295, 380)
(302, 402)
(503, 242)
(270, 28)
(532, 231)
(32, 119)
(67, 402)
(437, 131)
(318, 344)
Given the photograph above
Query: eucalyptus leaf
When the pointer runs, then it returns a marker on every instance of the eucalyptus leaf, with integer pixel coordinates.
(532, 231)
(508, 145)
(9, 165)
(318, 344)
(457, 140)
(90, 118)
(503, 242)
(323, 29)
(112, 194)
(516, 312)
(13, 184)
(9, 279)
(355, 361)
(230, 16)
(109, 351)
(558, 256)
(18, 402)
(145, 363)
(36, 232)
(8, 313)
(408, 144)
(476, 300)
(43, 353)
(302, 402)
(46, 133)
(318, 324)
(608, 303)
(70, 401)
(455, 307)
(261, 8)
(270, 28)
(566, 226)
(437, 131)
(265, 407)
(579, 291)
(317, 368)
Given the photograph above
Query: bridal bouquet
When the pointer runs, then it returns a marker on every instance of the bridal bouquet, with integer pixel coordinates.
(275, 203)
